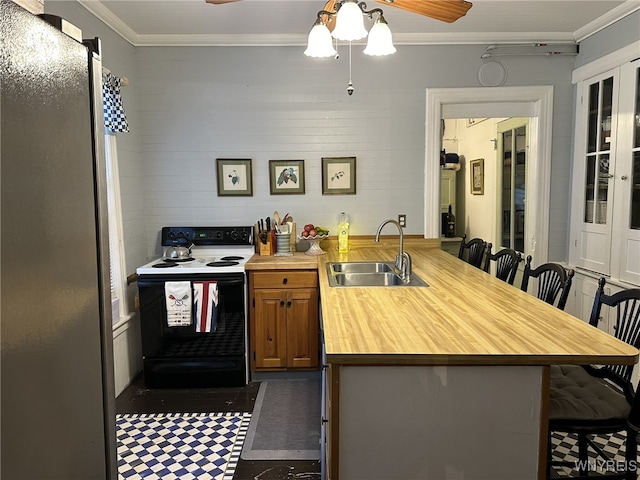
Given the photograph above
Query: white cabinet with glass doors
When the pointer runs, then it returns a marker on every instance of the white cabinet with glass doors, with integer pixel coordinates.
(605, 224)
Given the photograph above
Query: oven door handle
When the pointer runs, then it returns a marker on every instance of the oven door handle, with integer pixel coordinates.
(143, 282)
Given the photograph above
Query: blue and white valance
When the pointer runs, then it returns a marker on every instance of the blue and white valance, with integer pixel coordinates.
(115, 120)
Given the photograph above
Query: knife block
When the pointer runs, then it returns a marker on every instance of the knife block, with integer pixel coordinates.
(266, 248)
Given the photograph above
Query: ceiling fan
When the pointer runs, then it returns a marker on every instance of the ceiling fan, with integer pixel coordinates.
(445, 10)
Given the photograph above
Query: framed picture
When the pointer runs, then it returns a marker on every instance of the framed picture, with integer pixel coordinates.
(338, 175)
(476, 169)
(286, 176)
(234, 177)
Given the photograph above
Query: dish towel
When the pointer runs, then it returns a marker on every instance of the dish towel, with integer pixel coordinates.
(178, 297)
(205, 301)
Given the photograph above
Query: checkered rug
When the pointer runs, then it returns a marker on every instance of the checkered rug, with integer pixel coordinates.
(192, 446)
(565, 448)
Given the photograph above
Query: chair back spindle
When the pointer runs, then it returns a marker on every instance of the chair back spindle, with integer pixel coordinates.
(626, 305)
(506, 260)
(472, 251)
(554, 282)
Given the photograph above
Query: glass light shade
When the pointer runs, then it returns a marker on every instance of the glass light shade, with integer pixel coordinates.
(320, 43)
(380, 41)
(349, 23)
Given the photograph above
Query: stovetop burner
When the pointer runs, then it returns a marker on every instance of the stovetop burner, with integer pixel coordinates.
(178, 260)
(222, 264)
(165, 264)
(232, 257)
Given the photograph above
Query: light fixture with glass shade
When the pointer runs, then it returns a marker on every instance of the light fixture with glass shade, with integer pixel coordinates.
(347, 22)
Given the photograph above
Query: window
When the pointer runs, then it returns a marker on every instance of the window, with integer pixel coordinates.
(116, 248)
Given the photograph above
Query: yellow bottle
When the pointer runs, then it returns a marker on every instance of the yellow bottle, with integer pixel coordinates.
(343, 233)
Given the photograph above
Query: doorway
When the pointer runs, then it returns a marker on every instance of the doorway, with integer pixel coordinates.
(533, 102)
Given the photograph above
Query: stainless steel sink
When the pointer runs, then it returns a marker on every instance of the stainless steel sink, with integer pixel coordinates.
(360, 267)
(368, 274)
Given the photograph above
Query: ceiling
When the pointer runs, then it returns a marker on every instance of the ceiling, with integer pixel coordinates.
(287, 22)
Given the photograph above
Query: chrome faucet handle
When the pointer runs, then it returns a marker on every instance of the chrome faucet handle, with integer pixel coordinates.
(399, 262)
(406, 267)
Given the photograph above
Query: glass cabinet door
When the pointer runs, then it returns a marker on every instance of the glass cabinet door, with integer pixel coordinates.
(626, 189)
(600, 104)
(634, 217)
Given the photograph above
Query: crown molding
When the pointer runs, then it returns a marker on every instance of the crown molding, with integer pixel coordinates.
(271, 40)
(607, 19)
(110, 20)
(266, 40)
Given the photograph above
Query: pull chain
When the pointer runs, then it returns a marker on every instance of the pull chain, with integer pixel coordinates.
(350, 86)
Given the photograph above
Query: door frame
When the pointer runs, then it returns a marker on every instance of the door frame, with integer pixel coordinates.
(535, 102)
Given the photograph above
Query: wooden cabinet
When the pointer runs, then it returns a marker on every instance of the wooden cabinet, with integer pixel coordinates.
(284, 329)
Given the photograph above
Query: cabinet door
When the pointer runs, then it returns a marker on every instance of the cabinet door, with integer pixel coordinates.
(596, 128)
(270, 328)
(302, 328)
(448, 191)
(625, 254)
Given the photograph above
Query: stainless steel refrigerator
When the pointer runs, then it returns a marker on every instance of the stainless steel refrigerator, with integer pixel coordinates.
(57, 415)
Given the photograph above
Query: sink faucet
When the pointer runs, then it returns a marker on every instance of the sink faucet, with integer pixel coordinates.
(403, 259)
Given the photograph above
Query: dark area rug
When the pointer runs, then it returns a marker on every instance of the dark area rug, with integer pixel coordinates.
(285, 424)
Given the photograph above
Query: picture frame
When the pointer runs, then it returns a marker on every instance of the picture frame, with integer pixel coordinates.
(235, 177)
(476, 172)
(286, 177)
(338, 175)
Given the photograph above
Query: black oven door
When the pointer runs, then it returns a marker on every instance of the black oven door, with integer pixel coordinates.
(178, 356)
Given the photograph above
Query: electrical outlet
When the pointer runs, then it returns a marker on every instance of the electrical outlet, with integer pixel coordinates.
(402, 219)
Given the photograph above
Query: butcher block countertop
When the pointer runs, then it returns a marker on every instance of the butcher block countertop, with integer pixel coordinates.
(464, 317)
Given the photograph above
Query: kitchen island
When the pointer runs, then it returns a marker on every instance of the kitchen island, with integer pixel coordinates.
(448, 381)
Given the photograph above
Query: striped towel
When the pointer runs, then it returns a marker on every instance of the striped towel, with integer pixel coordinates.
(178, 300)
(205, 301)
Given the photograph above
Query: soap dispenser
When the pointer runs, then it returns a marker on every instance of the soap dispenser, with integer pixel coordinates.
(343, 233)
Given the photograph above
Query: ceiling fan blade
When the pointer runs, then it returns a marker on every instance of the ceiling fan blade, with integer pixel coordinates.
(220, 2)
(330, 22)
(445, 10)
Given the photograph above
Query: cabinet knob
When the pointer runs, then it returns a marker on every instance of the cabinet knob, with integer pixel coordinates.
(288, 304)
(285, 280)
(282, 303)
(623, 177)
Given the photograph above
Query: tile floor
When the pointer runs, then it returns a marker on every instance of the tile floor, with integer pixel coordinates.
(138, 403)
(566, 449)
(151, 413)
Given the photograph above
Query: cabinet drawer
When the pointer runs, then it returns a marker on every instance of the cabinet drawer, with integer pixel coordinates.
(285, 278)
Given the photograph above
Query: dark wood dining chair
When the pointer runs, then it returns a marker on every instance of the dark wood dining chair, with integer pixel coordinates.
(506, 261)
(585, 400)
(554, 282)
(472, 251)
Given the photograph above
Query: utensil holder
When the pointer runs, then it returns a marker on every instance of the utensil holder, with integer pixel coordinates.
(283, 244)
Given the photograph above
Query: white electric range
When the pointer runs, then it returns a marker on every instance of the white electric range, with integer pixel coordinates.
(181, 356)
